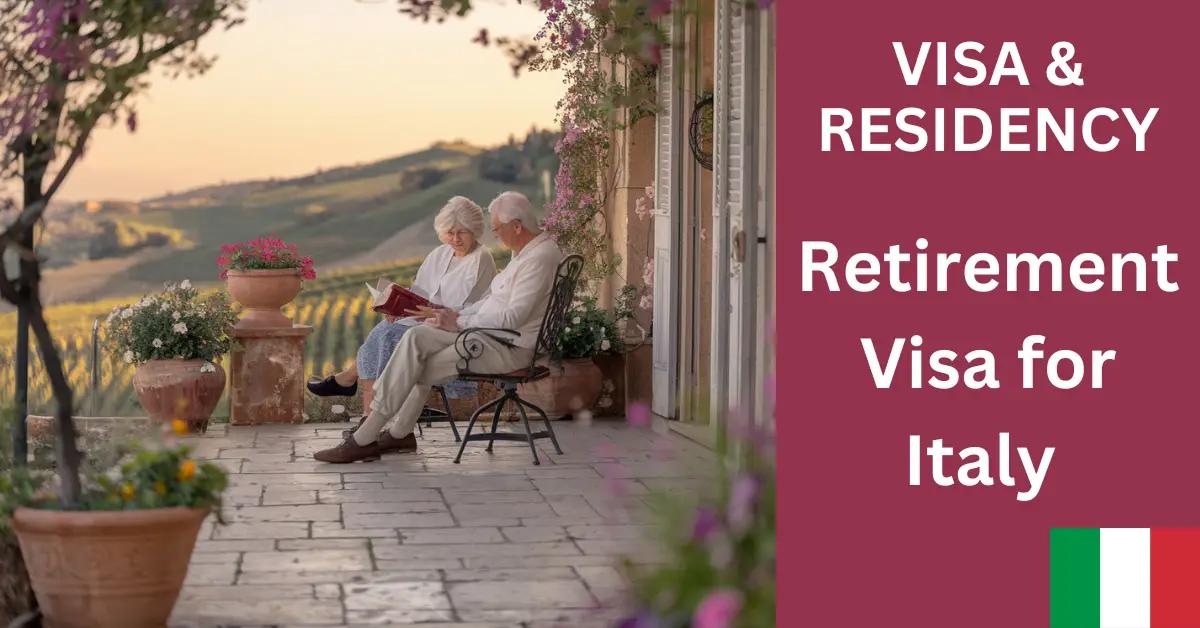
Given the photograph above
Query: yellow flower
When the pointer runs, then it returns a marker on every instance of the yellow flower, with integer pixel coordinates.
(127, 491)
(160, 487)
(187, 470)
(179, 426)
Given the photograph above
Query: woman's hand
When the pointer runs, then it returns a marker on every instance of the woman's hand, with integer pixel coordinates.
(423, 312)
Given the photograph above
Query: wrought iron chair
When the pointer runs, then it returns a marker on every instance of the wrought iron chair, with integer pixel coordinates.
(469, 346)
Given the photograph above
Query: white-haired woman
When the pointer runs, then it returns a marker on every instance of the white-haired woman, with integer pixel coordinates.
(454, 275)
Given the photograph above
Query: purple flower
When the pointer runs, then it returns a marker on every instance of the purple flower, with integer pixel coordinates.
(743, 497)
(645, 619)
(705, 524)
(638, 414)
(131, 122)
(718, 609)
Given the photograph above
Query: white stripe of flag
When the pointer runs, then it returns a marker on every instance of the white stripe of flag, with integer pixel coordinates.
(1124, 577)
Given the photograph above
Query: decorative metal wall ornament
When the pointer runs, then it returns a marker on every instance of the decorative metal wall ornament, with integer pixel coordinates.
(700, 131)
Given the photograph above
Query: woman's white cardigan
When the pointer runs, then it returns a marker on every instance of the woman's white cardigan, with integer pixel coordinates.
(459, 286)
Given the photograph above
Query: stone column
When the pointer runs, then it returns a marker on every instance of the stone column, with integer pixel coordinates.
(267, 375)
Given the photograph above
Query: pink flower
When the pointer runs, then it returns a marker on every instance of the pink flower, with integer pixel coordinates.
(638, 414)
(743, 497)
(222, 260)
(718, 610)
(658, 8)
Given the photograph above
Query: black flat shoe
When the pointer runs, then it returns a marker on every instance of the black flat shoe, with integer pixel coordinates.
(329, 387)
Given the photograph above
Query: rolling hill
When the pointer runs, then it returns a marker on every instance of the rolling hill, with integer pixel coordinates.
(343, 217)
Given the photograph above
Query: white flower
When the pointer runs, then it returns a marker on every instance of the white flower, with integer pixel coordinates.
(575, 320)
(566, 330)
(127, 313)
(338, 409)
(164, 307)
(185, 284)
(179, 328)
(646, 302)
(169, 286)
(605, 346)
(208, 367)
(129, 357)
(157, 343)
(176, 316)
(146, 302)
(111, 316)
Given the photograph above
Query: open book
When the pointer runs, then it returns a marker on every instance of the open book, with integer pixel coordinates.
(394, 300)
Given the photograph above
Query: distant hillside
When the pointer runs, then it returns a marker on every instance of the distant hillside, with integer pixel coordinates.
(345, 216)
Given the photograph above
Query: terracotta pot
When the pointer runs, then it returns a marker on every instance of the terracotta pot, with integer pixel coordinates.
(178, 389)
(573, 385)
(94, 569)
(262, 293)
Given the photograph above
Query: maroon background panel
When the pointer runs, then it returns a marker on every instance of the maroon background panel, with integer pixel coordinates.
(858, 546)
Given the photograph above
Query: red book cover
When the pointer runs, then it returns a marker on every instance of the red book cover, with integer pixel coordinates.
(395, 300)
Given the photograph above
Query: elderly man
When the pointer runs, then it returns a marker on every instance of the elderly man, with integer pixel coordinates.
(426, 356)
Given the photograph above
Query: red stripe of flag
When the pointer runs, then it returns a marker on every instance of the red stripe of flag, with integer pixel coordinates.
(1174, 577)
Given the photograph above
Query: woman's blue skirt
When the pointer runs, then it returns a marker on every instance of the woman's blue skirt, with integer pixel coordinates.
(374, 354)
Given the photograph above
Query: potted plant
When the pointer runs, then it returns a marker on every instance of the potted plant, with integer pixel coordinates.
(175, 338)
(120, 557)
(264, 275)
(575, 380)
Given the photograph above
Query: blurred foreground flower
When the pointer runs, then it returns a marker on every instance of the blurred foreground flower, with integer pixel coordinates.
(718, 610)
(638, 414)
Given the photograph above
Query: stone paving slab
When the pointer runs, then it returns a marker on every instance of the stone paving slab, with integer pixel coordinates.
(494, 542)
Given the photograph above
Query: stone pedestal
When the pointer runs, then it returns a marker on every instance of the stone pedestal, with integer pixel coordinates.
(267, 375)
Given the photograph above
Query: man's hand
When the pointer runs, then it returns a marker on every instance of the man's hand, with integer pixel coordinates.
(444, 319)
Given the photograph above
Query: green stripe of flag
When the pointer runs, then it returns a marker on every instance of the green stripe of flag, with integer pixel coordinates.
(1074, 578)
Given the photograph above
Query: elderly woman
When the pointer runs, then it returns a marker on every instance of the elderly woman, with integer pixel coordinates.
(453, 275)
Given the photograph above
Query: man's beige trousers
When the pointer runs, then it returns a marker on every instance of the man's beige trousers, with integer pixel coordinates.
(425, 357)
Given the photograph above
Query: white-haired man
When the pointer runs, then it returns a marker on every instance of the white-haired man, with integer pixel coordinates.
(426, 355)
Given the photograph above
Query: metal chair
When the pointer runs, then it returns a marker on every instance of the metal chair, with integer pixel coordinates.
(469, 346)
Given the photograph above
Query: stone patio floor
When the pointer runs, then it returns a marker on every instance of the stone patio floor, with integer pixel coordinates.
(413, 538)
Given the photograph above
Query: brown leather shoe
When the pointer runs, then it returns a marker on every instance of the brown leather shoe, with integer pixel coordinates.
(349, 451)
(390, 444)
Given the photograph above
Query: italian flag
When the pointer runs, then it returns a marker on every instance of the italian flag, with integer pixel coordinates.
(1124, 577)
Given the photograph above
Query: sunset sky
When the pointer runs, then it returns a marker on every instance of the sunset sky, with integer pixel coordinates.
(304, 84)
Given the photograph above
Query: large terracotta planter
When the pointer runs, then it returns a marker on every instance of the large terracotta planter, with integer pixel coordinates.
(573, 385)
(95, 569)
(179, 389)
(262, 293)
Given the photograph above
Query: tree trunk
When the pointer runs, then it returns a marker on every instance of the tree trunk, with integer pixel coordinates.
(37, 159)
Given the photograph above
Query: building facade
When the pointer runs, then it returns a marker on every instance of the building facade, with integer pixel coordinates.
(710, 156)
